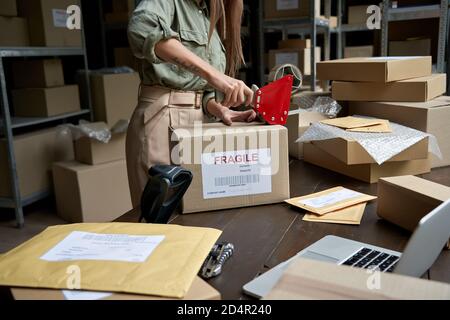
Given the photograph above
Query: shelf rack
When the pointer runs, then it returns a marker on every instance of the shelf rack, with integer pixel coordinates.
(9, 123)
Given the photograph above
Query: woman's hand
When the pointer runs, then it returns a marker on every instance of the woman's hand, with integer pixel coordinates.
(227, 115)
(236, 91)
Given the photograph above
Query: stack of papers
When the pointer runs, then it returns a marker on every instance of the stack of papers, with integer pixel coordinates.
(357, 124)
(335, 205)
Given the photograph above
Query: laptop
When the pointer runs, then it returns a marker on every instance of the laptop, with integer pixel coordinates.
(423, 248)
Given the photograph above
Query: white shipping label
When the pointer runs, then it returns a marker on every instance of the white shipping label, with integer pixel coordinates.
(287, 4)
(80, 245)
(60, 18)
(330, 198)
(236, 173)
(286, 57)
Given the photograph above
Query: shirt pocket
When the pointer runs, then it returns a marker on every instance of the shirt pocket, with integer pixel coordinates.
(195, 42)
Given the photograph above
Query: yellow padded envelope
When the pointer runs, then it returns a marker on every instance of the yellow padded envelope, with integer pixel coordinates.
(350, 215)
(168, 272)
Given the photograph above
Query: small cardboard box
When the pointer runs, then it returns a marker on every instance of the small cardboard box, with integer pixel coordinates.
(93, 152)
(358, 52)
(8, 8)
(411, 90)
(37, 73)
(34, 152)
(114, 96)
(86, 193)
(357, 14)
(405, 200)
(415, 47)
(46, 102)
(351, 152)
(300, 58)
(14, 32)
(298, 44)
(47, 22)
(370, 172)
(237, 166)
(274, 9)
(432, 117)
(374, 69)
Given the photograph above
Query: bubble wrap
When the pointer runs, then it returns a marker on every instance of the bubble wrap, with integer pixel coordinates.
(326, 106)
(380, 146)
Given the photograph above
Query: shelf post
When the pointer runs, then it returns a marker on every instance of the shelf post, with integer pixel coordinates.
(384, 27)
(312, 10)
(443, 30)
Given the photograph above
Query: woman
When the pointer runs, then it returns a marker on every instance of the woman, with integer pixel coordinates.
(185, 57)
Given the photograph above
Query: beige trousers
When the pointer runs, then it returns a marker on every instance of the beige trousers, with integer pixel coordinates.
(148, 137)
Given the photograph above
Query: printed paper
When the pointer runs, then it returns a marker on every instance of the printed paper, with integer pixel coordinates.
(330, 198)
(286, 58)
(60, 18)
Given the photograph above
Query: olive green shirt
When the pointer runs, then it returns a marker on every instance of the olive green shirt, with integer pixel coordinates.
(185, 20)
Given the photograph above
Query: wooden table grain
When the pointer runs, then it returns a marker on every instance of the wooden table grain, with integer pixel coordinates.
(265, 236)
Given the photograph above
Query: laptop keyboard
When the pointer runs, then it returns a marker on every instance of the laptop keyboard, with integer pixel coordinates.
(372, 259)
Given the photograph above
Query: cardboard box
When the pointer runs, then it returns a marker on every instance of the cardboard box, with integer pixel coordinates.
(245, 165)
(8, 8)
(411, 90)
(357, 14)
(358, 52)
(351, 152)
(35, 152)
(114, 96)
(124, 57)
(37, 73)
(14, 32)
(200, 290)
(407, 199)
(374, 69)
(93, 152)
(365, 172)
(274, 9)
(300, 58)
(46, 102)
(86, 193)
(298, 44)
(417, 47)
(432, 117)
(332, 21)
(47, 22)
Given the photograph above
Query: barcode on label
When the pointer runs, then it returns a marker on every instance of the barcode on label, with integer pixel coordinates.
(236, 180)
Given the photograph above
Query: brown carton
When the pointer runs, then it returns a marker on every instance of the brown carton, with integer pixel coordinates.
(411, 90)
(299, 44)
(91, 151)
(236, 166)
(14, 32)
(8, 8)
(415, 47)
(357, 14)
(86, 193)
(374, 69)
(34, 152)
(37, 73)
(300, 58)
(358, 52)
(274, 9)
(370, 172)
(432, 117)
(46, 102)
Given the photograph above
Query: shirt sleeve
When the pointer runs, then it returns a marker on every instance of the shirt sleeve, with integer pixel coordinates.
(149, 24)
(208, 95)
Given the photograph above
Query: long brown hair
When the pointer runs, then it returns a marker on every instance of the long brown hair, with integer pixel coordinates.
(226, 15)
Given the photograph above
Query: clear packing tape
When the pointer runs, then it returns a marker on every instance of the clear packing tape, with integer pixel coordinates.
(97, 130)
(380, 146)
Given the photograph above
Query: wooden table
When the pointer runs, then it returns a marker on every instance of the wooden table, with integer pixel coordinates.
(264, 236)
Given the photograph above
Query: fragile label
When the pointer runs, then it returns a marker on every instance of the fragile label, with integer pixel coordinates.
(287, 4)
(236, 173)
(60, 18)
(286, 57)
(330, 198)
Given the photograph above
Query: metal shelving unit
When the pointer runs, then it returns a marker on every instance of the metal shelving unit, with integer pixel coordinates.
(10, 123)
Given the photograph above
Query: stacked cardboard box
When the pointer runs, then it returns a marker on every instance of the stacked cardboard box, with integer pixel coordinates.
(13, 29)
(40, 89)
(358, 51)
(94, 188)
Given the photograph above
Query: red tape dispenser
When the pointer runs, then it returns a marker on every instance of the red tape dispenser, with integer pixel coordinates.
(272, 101)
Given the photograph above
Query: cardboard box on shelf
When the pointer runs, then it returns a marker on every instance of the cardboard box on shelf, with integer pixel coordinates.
(300, 58)
(8, 8)
(351, 152)
(432, 117)
(124, 57)
(298, 44)
(407, 199)
(34, 152)
(357, 14)
(245, 165)
(86, 193)
(358, 52)
(46, 102)
(332, 21)
(42, 73)
(93, 152)
(47, 23)
(411, 90)
(14, 32)
(414, 47)
(274, 9)
(374, 69)
(114, 96)
(370, 172)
